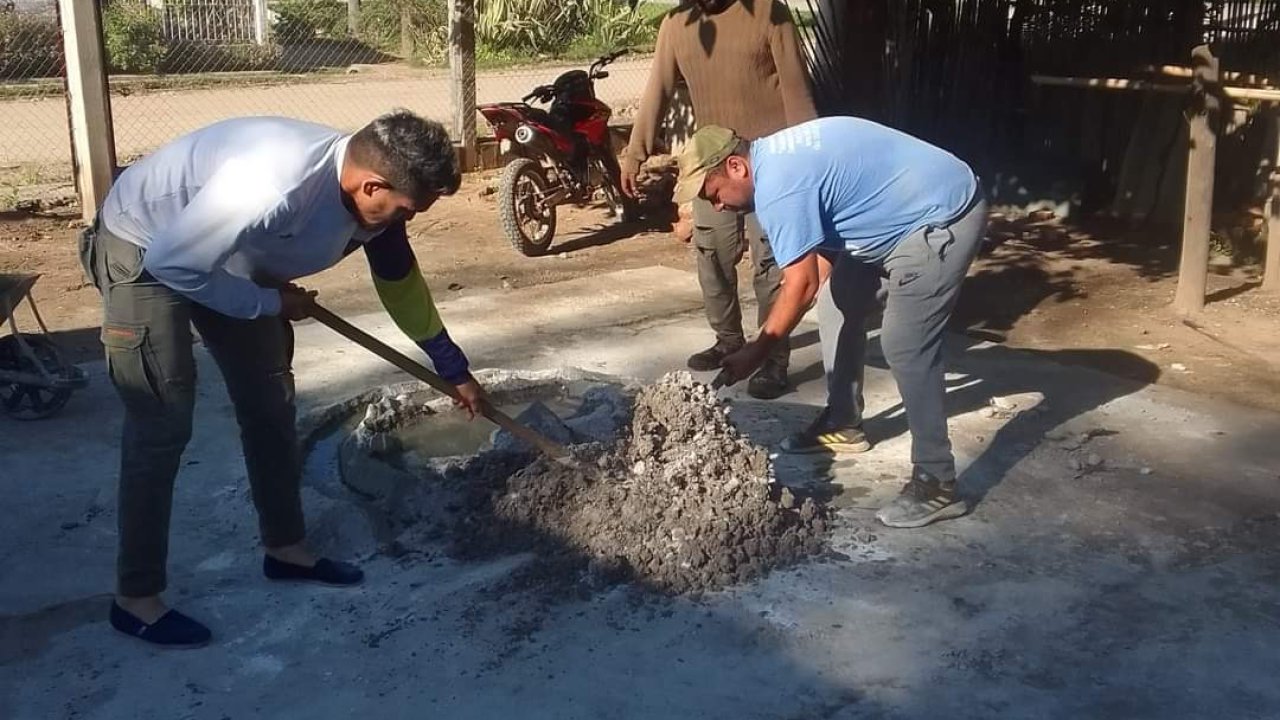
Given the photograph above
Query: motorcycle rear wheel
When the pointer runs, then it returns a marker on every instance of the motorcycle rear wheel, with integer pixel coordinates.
(624, 208)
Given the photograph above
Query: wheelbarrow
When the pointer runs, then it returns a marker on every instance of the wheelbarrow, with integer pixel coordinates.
(35, 379)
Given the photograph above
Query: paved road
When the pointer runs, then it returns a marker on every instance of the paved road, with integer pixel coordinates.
(35, 131)
(1143, 586)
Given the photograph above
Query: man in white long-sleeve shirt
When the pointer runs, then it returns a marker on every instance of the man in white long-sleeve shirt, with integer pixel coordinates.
(209, 231)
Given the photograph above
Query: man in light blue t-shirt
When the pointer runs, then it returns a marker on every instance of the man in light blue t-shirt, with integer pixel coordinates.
(857, 203)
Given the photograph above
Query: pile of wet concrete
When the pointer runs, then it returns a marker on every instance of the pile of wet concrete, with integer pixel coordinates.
(678, 500)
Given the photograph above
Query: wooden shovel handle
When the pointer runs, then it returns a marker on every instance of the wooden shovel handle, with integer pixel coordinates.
(543, 443)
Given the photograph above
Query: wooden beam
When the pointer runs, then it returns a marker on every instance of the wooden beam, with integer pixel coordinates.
(1182, 71)
(93, 146)
(1271, 271)
(462, 76)
(1108, 84)
(1235, 93)
(1204, 116)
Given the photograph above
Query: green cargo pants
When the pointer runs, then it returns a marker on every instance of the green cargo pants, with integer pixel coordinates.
(146, 330)
(717, 237)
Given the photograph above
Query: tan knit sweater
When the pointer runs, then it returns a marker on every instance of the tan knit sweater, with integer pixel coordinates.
(743, 67)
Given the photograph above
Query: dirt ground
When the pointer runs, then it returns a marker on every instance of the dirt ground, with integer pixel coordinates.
(1102, 293)
(33, 132)
(459, 244)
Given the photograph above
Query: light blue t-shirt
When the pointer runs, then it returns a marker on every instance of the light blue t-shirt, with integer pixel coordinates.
(851, 185)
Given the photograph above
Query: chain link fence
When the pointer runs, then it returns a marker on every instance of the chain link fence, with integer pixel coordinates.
(34, 139)
(178, 65)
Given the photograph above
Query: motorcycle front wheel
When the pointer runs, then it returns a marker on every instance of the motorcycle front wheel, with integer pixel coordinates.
(527, 219)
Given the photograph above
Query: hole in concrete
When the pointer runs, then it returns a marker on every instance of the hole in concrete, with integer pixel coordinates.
(450, 434)
(664, 491)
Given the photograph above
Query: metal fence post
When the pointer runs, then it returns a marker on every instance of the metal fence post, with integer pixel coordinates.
(93, 147)
(462, 76)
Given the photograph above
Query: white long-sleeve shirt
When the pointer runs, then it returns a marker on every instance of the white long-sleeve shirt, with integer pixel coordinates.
(241, 199)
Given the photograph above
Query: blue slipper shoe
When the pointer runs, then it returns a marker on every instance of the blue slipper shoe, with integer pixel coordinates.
(172, 631)
(324, 572)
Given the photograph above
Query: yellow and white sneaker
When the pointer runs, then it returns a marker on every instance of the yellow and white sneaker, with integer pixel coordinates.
(822, 438)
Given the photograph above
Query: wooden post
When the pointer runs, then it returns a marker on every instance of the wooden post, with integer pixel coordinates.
(1205, 114)
(462, 76)
(93, 143)
(1271, 271)
(406, 32)
(261, 22)
(353, 18)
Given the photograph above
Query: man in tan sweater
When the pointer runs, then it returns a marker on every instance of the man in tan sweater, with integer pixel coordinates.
(742, 63)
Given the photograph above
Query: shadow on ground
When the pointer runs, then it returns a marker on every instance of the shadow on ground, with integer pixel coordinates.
(609, 234)
(980, 372)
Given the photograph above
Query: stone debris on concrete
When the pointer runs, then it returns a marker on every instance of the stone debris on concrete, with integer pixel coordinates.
(1010, 406)
(1081, 456)
(376, 432)
(681, 502)
(1071, 440)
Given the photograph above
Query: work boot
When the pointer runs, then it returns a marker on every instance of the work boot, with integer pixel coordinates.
(924, 500)
(710, 359)
(769, 382)
(824, 436)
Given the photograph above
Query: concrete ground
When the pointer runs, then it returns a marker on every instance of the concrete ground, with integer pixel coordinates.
(1121, 561)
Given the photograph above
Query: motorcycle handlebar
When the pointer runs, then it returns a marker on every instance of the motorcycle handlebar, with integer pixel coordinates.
(546, 92)
(597, 67)
(542, 92)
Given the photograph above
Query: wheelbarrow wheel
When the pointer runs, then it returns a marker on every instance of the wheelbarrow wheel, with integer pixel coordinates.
(31, 402)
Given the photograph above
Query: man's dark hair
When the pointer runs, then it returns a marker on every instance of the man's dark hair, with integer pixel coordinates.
(415, 155)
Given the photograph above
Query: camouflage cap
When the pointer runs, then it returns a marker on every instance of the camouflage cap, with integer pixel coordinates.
(705, 151)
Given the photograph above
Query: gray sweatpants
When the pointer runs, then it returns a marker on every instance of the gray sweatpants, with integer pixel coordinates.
(717, 237)
(146, 330)
(922, 276)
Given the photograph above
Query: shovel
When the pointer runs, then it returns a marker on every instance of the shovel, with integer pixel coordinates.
(544, 444)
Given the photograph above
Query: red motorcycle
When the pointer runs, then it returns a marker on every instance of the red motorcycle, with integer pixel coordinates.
(561, 155)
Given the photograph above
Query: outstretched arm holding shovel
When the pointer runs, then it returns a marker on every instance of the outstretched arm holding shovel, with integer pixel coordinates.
(405, 295)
